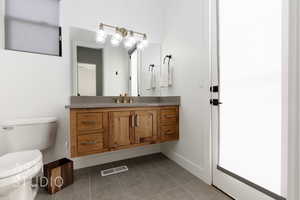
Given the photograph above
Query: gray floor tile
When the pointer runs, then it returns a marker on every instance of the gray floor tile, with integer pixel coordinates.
(43, 195)
(200, 190)
(177, 193)
(180, 175)
(131, 178)
(79, 190)
(152, 177)
(108, 192)
(153, 183)
(221, 196)
(98, 180)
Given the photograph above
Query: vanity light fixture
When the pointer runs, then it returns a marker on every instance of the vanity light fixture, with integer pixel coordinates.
(129, 37)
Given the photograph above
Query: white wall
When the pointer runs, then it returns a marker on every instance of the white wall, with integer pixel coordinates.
(187, 39)
(34, 85)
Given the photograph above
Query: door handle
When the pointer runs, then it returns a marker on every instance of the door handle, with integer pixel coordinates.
(132, 121)
(215, 102)
(137, 123)
(88, 122)
(88, 143)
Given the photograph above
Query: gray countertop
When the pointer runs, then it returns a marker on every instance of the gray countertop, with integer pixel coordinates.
(119, 105)
(104, 102)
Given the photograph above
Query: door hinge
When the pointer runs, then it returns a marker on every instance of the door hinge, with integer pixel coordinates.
(215, 102)
(214, 88)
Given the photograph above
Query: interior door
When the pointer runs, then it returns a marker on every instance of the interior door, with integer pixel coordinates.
(87, 79)
(145, 126)
(247, 128)
(121, 129)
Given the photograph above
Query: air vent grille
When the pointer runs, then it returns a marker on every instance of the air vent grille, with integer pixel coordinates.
(115, 170)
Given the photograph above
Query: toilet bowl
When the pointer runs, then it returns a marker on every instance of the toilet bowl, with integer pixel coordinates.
(17, 171)
(23, 140)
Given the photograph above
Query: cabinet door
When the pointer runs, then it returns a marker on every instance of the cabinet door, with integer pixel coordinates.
(121, 129)
(146, 127)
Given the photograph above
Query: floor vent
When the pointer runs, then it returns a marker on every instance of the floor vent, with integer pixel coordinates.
(115, 170)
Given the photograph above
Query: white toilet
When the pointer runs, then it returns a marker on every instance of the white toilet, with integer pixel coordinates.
(23, 160)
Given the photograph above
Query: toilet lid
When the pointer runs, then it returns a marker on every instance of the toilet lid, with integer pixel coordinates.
(15, 163)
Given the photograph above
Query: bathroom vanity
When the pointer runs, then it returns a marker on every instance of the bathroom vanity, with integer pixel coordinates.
(99, 120)
(103, 127)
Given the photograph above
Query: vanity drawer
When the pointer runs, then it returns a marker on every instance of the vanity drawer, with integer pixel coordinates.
(169, 132)
(169, 116)
(89, 121)
(89, 143)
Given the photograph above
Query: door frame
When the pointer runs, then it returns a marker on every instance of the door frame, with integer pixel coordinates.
(293, 62)
(290, 85)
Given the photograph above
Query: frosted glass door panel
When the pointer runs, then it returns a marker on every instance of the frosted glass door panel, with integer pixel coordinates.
(32, 26)
(46, 11)
(31, 37)
(250, 79)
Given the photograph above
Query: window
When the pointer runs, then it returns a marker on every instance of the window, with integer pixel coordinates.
(33, 26)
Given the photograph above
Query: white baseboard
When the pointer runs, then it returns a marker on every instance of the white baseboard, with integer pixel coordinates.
(190, 166)
(98, 159)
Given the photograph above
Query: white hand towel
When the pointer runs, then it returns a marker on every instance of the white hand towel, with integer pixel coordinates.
(150, 79)
(153, 78)
(170, 75)
(164, 75)
(167, 74)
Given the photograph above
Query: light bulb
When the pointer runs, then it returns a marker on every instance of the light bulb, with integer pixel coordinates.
(101, 36)
(115, 42)
(130, 41)
(142, 44)
(116, 38)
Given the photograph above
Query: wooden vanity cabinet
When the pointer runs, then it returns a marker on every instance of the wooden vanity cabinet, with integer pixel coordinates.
(109, 129)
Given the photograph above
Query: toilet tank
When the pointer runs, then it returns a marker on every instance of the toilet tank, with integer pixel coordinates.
(28, 134)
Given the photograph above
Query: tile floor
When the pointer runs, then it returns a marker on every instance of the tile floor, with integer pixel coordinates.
(152, 177)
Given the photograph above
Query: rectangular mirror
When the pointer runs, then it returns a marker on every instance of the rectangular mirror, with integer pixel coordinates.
(106, 70)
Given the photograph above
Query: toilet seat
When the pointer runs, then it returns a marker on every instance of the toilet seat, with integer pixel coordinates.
(19, 166)
(15, 163)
